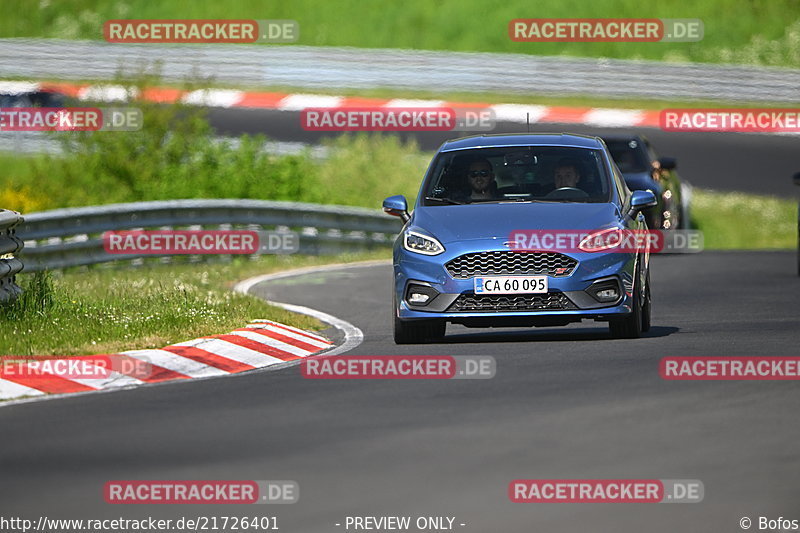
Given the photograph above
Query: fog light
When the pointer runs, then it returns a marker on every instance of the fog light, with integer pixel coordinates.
(418, 298)
(607, 295)
(605, 290)
(420, 294)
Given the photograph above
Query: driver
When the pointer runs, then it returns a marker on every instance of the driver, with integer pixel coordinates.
(480, 177)
(566, 174)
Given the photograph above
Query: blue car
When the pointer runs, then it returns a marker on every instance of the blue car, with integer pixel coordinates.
(466, 255)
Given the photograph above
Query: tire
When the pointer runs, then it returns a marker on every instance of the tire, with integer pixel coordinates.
(632, 326)
(654, 218)
(415, 331)
(418, 331)
(646, 305)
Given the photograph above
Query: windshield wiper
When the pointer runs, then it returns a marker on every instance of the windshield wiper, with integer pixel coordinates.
(444, 200)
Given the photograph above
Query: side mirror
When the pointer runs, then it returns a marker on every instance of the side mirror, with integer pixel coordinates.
(641, 200)
(796, 179)
(396, 206)
(668, 163)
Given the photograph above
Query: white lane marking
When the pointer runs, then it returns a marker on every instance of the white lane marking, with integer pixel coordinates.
(214, 97)
(9, 389)
(273, 343)
(114, 379)
(105, 93)
(297, 102)
(316, 341)
(613, 118)
(353, 336)
(233, 352)
(405, 102)
(16, 87)
(176, 363)
(518, 112)
(244, 286)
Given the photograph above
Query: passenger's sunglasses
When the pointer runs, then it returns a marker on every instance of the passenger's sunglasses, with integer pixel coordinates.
(481, 173)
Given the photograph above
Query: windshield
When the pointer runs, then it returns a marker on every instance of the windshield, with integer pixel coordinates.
(629, 155)
(517, 174)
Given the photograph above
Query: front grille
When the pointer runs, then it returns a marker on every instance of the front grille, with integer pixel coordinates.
(554, 301)
(508, 262)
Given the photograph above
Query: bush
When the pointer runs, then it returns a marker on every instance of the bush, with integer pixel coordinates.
(176, 155)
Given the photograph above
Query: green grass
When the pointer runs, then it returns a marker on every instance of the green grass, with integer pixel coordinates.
(764, 32)
(103, 310)
(734, 220)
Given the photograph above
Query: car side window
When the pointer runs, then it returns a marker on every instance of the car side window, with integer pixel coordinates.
(619, 182)
(650, 152)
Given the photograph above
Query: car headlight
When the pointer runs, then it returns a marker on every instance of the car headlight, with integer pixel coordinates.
(421, 244)
(602, 241)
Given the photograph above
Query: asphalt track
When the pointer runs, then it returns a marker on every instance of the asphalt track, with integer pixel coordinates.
(754, 163)
(565, 403)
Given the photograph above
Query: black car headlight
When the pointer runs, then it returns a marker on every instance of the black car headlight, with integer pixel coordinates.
(421, 244)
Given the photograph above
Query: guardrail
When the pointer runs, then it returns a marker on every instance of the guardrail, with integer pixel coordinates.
(796, 180)
(65, 238)
(359, 68)
(38, 142)
(9, 264)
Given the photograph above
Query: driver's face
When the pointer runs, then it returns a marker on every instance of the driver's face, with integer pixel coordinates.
(565, 177)
(480, 176)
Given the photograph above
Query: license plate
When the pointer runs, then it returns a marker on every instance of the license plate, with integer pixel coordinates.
(511, 285)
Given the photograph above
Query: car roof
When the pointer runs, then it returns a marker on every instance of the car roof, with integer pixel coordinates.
(624, 137)
(522, 139)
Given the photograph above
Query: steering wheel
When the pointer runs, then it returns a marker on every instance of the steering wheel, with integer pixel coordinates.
(568, 192)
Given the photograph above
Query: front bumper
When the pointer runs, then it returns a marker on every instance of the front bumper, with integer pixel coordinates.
(567, 300)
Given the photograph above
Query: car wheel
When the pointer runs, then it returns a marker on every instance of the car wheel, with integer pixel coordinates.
(417, 331)
(630, 327)
(654, 218)
(646, 305)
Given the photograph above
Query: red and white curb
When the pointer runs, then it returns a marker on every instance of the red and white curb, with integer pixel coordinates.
(261, 344)
(231, 98)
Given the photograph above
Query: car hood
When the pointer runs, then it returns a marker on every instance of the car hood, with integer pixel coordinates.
(450, 223)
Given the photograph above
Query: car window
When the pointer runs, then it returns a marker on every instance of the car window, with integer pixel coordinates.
(630, 155)
(517, 173)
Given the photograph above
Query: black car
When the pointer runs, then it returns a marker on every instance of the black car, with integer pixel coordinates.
(34, 98)
(644, 170)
